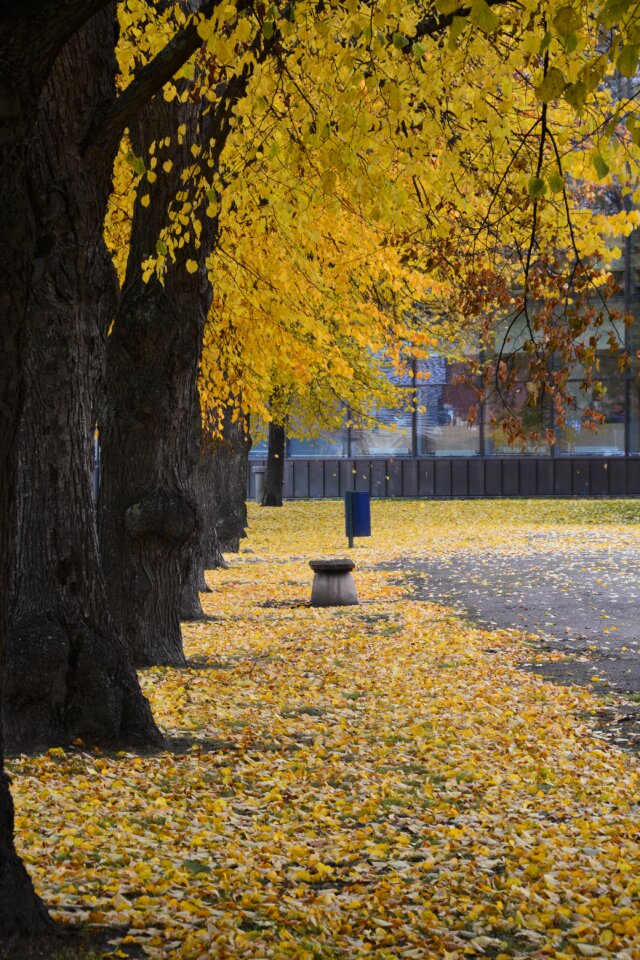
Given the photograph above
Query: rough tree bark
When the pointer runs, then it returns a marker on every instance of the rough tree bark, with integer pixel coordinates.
(221, 490)
(194, 582)
(68, 673)
(206, 487)
(150, 442)
(31, 34)
(21, 911)
(274, 477)
(207, 555)
(147, 507)
(228, 484)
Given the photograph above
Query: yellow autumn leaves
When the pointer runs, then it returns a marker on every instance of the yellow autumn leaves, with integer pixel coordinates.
(378, 781)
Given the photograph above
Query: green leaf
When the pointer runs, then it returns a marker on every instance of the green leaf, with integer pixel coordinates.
(634, 129)
(567, 20)
(556, 182)
(575, 94)
(399, 41)
(627, 62)
(418, 50)
(544, 43)
(268, 28)
(194, 867)
(483, 17)
(552, 85)
(161, 247)
(601, 165)
(137, 163)
(571, 42)
(457, 26)
(537, 188)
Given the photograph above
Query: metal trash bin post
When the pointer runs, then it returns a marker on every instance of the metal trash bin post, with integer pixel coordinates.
(259, 474)
(357, 515)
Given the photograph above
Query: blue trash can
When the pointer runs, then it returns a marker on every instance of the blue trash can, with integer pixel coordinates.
(357, 515)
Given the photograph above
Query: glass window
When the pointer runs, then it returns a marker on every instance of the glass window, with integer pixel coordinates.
(611, 327)
(392, 438)
(535, 420)
(436, 367)
(399, 378)
(448, 421)
(440, 370)
(258, 450)
(634, 330)
(258, 431)
(634, 416)
(608, 438)
(326, 444)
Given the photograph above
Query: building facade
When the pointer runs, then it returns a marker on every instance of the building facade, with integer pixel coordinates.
(437, 449)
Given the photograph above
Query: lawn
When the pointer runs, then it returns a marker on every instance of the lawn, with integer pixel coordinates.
(374, 781)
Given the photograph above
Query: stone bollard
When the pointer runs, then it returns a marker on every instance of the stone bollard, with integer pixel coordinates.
(333, 583)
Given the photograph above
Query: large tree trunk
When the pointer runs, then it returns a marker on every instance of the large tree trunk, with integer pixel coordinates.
(21, 911)
(148, 512)
(150, 445)
(274, 477)
(68, 673)
(27, 48)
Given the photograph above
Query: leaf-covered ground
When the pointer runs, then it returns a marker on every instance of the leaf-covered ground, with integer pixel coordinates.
(376, 781)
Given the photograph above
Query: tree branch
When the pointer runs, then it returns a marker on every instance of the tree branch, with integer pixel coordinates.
(109, 126)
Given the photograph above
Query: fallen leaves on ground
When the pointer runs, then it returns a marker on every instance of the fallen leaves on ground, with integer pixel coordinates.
(374, 781)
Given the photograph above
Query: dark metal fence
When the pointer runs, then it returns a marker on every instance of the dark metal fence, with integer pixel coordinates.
(460, 477)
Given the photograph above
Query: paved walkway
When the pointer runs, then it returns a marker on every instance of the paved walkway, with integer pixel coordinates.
(585, 605)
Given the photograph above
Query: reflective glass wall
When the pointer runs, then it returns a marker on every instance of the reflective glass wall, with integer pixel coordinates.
(442, 417)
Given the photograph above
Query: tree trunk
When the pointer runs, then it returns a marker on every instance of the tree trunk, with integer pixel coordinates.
(150, 446)
(274, 477)
(21, 911)
(148, 514)
(227, 488)
(190, 604)
(68, 673)
(25, 59)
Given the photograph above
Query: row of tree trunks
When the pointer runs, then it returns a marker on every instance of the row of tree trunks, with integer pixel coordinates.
(220, 483)
(150, 426)
(68, 672)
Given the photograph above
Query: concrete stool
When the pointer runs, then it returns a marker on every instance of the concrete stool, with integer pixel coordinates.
(333, 583)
